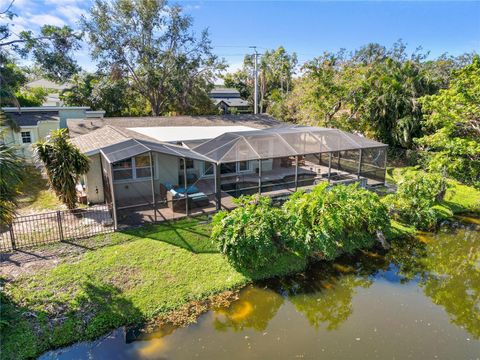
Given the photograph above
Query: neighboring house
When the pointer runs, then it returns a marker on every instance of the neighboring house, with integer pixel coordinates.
(36, 123)
(226, 99)
(163, 168)
(53, 97)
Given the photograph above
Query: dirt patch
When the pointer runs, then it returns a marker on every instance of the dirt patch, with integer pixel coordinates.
(31, 261)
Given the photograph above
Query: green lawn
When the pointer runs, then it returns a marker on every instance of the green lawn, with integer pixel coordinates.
(458, 199)
(158, 269)
(35, 194)
(144, 272)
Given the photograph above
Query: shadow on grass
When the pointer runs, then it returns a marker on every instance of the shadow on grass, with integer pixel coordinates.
(27, 332)
(188, 234)
(31, 188)
(454, 206)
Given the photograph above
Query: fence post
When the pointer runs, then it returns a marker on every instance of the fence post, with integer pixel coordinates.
(60, 227)
(12, 236)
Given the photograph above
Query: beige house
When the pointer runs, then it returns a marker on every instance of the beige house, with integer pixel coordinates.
(92, 135)
(153, 169)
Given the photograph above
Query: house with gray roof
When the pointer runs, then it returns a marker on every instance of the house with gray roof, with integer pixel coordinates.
(227, 99)
(158, 168)
(35, 123)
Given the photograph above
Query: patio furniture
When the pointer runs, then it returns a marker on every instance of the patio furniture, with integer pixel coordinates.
(192, 189)
(176, 200)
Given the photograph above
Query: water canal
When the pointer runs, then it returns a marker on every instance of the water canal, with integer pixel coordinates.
(419, 300)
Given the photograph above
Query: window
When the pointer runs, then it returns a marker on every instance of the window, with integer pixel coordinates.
(228, 168)
(190, 164)
(26, 137)
(243, 166)
(122, 170)
(133, 168)
(142, 166)
(208, 168)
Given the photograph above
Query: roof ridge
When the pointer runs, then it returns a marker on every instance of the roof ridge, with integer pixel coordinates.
(114, 128)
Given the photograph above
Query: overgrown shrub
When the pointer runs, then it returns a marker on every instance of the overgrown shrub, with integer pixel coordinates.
(248, 234)
(415, 199)
(329, 221)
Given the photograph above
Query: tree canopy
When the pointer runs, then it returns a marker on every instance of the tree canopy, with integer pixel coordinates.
(52, 51)
(452, 126)
(275, 75)
(152, 44)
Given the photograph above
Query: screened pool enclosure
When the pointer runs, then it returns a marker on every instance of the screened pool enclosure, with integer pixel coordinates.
(150, 181)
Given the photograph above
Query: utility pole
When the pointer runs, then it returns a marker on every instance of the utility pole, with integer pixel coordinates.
(255, 96)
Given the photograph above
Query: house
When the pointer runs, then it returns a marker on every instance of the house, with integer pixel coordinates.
(153, 169)
(227, 99)
(36, 123)
(54, 90)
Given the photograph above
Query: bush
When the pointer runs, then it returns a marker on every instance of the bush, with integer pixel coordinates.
(323, 223)
(248, 234)
(415, 199)
(329, 221)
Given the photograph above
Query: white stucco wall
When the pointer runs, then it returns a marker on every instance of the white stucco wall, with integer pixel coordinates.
(94, 181)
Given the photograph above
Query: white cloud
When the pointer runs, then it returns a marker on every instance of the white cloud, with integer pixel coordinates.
(71, 12)
(44, 19)
(17, 6)
(63, 2)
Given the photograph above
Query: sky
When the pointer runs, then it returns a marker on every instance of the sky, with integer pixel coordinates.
(306, 27)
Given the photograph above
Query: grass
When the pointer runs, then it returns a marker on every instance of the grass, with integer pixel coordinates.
(458, 199)
(151, 271)
(143, 273)
(35, 194)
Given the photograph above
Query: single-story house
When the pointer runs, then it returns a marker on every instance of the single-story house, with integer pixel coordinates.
(157, 170)
(226, 99)
(36, 123)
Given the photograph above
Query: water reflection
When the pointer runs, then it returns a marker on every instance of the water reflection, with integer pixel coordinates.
(254, 309)
(449, 271)
(420, 299)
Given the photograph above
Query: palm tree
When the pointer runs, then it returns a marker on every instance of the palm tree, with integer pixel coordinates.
(64, 164)
(11, 176)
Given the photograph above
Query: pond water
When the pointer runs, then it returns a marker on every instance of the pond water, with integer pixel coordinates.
(419, 300)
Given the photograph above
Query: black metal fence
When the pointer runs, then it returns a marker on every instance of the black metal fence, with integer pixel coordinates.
(65, 225)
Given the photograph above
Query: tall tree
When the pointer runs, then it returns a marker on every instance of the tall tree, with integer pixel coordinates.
(151, 43)
(64, 164)
(453, 126)
(52, 50)
(275, 75)
(373, 90)
(106, 92)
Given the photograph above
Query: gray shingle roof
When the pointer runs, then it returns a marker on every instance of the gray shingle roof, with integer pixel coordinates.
(78, 127)
(31, 118)
(232, 102)
(97, 139)
(118, 144)
(224, 93)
